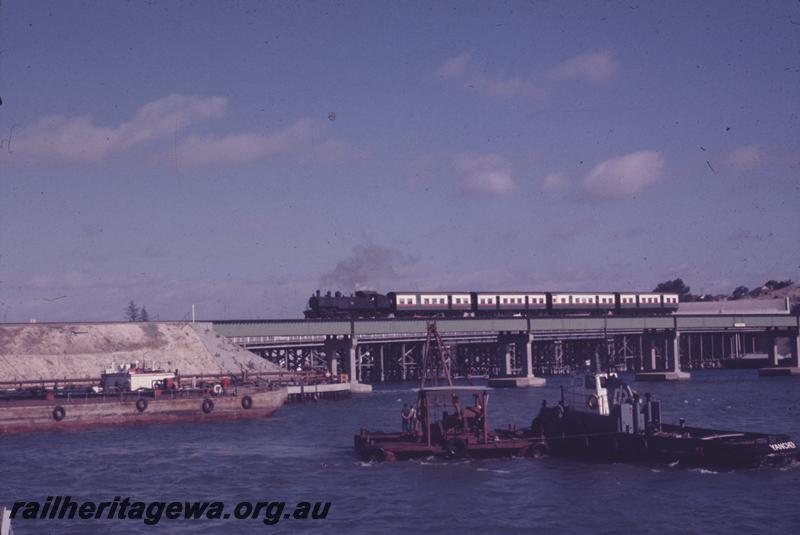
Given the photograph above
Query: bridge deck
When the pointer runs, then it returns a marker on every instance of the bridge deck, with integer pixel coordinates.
(313, 331)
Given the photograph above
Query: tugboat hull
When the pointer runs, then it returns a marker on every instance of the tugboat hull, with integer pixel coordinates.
(670, 448)
(600, 418)
(595, 438)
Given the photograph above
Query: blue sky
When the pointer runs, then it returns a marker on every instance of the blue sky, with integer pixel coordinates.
(239, 155)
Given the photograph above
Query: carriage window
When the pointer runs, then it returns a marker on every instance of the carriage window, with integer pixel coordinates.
(589, 382)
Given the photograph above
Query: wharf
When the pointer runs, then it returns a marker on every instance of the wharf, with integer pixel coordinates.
(301, 393)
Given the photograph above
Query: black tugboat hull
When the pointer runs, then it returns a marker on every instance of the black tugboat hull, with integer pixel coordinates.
(594, 438)
(624, 447)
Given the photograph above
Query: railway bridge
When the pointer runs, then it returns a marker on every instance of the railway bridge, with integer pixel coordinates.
(656, 347)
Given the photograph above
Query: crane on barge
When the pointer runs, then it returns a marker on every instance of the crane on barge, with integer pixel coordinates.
(460, 431)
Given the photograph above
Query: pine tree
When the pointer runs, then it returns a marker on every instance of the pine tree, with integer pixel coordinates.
(143, 314)
(131, 311)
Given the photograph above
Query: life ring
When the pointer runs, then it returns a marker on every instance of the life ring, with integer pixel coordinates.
(537, 450)
(141, 404)
(208, 406)
(247, 402)
(455, 448)
(59, 413)
(593, 402)
(217, 389)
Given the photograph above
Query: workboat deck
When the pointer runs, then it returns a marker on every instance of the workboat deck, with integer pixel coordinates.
(460, 431)
(380, 446)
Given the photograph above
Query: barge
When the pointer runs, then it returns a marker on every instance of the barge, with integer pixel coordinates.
(459, 431)
(601, 419)
(130, 395)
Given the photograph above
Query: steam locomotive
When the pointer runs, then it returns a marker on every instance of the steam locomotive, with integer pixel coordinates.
(370, 304)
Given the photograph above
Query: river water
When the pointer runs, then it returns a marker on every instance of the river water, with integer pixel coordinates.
(305, 453)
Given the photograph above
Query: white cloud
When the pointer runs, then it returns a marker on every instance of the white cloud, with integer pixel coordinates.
(746, 157)
(456, 66)
(79, 139)
(595, 67)
(306, 139)
(462, 68)
(555, 182)
(623, 176)
(486, 173)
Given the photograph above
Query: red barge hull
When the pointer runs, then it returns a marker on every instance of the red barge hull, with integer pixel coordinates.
(84, 412)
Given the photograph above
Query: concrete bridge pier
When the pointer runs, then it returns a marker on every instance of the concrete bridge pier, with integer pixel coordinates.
(336, 347)
(676, 357)
(331, 350)
(527, 345)
(504, 356)
(772, 351)
(795, 343)
(782, 371)
(510, 347)
(672, 352)
(653, 356)
(356, 387)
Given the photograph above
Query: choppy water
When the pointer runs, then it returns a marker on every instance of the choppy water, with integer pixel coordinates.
(306, 453)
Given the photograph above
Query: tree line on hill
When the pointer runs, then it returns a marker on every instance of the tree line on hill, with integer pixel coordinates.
(134, 313)
(740, 292)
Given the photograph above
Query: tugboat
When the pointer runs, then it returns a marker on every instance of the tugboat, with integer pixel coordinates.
(459, 432)
(600, 418)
